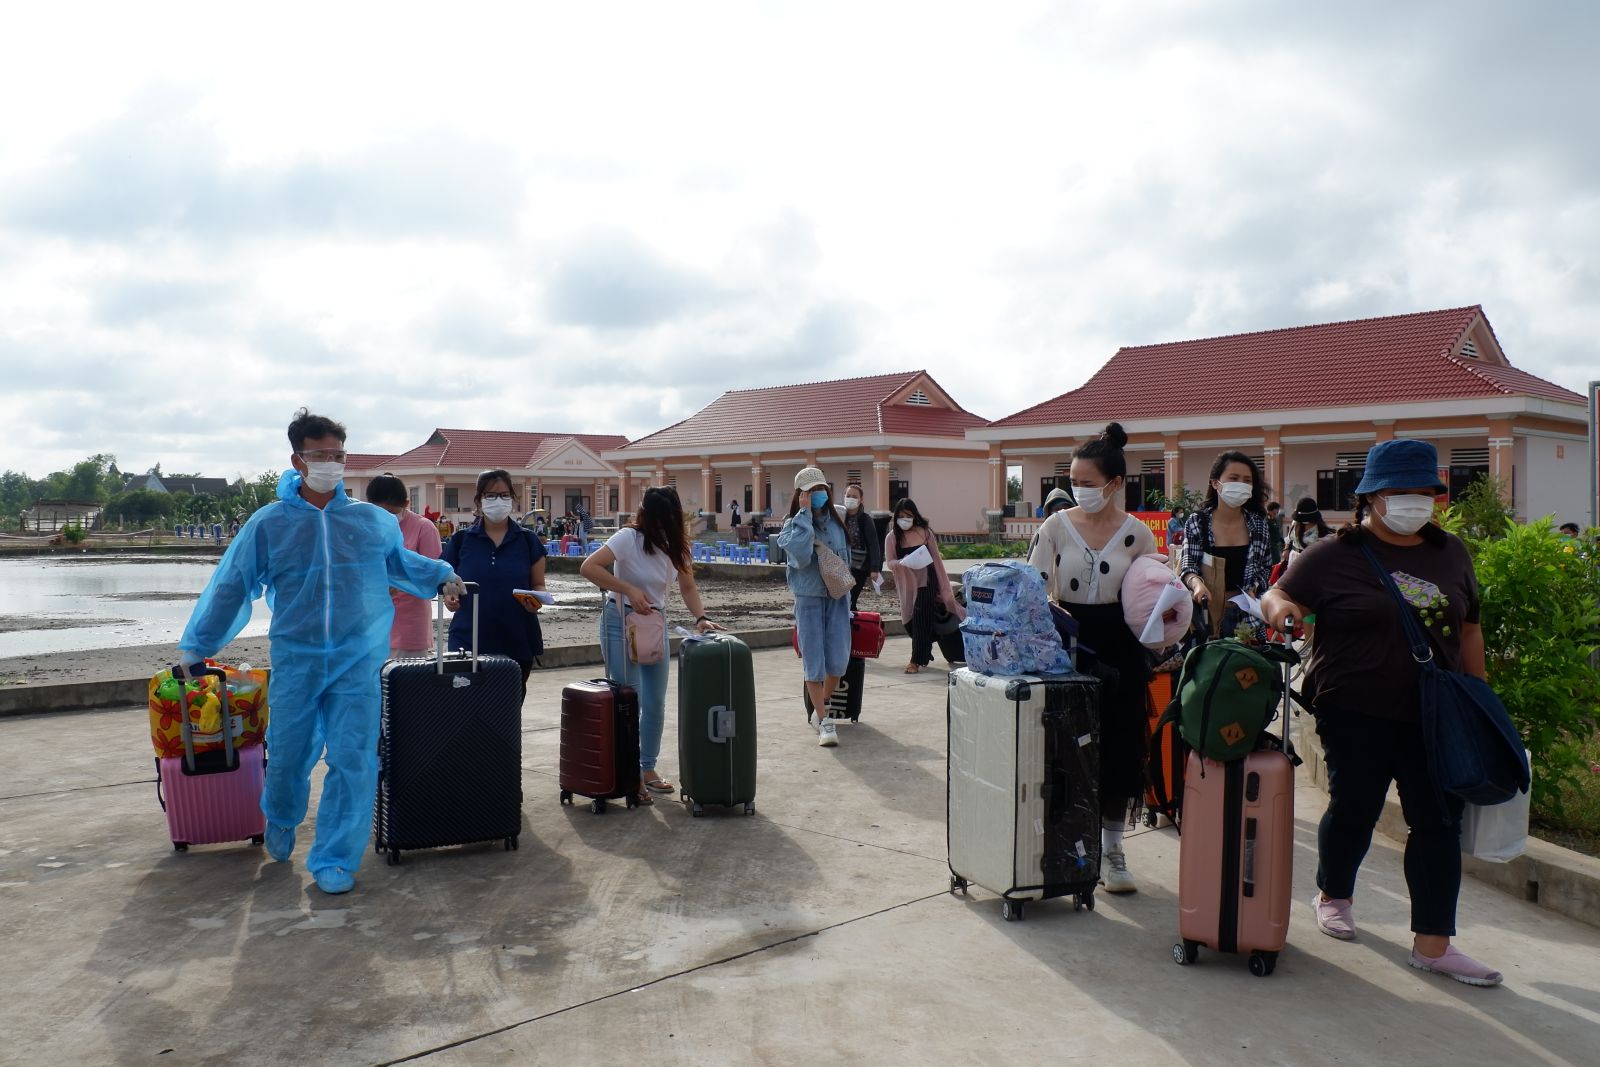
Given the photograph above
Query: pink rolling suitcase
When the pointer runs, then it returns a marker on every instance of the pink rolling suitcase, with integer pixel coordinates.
(213, 797)
(1236, 855)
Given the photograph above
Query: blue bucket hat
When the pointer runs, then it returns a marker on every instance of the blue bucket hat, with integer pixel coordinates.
(1401, 464)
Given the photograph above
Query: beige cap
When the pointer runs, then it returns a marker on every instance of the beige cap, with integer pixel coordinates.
(808, 477)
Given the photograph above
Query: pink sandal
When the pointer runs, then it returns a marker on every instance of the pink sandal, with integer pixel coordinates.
(1458, 965)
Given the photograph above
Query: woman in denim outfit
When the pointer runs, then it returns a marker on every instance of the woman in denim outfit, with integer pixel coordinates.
(643, 558)
(821, 620)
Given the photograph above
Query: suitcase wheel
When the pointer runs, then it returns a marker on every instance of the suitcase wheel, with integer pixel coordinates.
(566, 796)
(258, 839)
(597, 806)
(1263, 963)
(1011, 911)
(394, 857)
(180, 846)
(632, 801)
(750, 808)
(1185, 952)
(511, 844)
(958, 885)
(1084, 900)
(695, 809)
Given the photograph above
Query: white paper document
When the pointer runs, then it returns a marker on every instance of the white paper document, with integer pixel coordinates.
(918, 559)
(538, 594)
(1249, 605)
(1171, 596)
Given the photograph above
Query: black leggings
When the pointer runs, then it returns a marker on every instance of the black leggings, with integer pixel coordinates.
(1364, 753)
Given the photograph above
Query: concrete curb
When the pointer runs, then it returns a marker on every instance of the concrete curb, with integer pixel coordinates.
(119, 692)
(1553, 877)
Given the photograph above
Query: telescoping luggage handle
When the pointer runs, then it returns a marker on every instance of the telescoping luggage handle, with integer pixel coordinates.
(438, 629)
(186, 726)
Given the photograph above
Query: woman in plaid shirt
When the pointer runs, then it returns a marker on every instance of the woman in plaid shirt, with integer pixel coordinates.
(1232, 530)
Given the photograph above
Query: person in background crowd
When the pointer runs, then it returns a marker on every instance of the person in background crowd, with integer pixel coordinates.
(866, 551)
(925, 593)
(1570, 530)
(1308, 526)
(1083, 554)
(412, 633)
(733, 510)
(1275, 532)
(501, 555)
(636, 564)
(1364, 690)
(326, 564)
(821, 620)
(1232, 529)
(1058, 500)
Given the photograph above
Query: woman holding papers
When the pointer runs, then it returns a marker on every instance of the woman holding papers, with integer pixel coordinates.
(501, 555)
(1083, 554)
(927, 603)
(1227, 548)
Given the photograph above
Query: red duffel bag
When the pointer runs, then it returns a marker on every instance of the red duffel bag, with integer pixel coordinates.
(866, 635)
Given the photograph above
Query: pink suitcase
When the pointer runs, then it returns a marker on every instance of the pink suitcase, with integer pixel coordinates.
(213, 797)
(1236, 856)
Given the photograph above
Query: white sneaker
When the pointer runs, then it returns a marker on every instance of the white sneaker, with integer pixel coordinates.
(827, 736)
(1114, 873)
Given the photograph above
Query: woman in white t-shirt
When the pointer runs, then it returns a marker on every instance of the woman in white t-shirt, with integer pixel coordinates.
(636, 564)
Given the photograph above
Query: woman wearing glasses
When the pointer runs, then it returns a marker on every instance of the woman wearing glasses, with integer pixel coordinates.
(500, 555)
(1083, 553)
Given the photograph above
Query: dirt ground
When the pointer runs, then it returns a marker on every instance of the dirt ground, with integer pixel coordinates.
(736, 604)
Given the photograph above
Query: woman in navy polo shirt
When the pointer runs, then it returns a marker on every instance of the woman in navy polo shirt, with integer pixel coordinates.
(500, 555)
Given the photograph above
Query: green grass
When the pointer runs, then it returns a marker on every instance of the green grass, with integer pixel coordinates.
(1008, 550)
(1577, 824)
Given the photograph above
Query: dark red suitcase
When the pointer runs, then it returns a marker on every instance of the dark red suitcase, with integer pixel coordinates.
(600, 743)
(866, 635)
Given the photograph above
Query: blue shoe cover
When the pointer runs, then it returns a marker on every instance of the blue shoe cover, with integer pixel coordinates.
(335, 880)
(279, 842)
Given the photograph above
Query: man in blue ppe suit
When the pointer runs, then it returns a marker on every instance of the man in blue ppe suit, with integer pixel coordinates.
(326, 564)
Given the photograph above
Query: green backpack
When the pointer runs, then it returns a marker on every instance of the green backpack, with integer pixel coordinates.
(1228, 692)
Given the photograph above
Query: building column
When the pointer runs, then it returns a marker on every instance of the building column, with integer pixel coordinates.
(1500, 453)
(623, 489)
(530, 490)
(880, 484)
(1172, 463)
(1272, 452)
(438, 496)
(757, 485)
(1384, 428)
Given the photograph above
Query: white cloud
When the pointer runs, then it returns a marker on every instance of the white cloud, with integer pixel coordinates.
(595, 219)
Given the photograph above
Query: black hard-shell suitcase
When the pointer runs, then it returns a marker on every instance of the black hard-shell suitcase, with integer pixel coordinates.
(449, 751)
(846, 700)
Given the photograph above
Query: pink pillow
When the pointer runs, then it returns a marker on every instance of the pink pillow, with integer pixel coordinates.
(1142, 588)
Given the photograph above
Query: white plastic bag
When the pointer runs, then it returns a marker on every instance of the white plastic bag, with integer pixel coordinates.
(1497, 833)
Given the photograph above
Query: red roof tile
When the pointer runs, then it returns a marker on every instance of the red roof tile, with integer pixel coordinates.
(367, 461)
(812, 411)
(487, 449)
(1398, 358)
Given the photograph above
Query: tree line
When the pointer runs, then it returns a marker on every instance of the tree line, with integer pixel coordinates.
(97, 479)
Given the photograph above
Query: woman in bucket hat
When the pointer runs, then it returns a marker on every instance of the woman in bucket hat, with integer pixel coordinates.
(821, 620)
(1363, 687)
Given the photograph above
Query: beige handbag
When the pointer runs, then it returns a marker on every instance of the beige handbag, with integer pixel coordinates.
(835, 571)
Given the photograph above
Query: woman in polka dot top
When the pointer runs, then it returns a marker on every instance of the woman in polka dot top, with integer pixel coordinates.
(1083, 553)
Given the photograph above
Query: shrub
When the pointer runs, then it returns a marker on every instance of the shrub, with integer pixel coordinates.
(1541, 626)
(981, 550)
(1481, 511)
(74, 534)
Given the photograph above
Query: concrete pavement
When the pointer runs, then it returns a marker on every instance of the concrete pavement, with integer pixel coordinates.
(818, 931)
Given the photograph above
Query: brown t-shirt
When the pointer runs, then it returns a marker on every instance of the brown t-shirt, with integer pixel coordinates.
(1360, 658)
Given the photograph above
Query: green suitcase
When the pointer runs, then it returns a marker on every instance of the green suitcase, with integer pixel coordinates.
(716, 723)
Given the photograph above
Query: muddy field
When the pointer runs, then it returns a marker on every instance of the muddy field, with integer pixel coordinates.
(738, 604)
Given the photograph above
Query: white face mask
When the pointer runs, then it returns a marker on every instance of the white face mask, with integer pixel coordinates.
(323, 477)
(904, 524)
(1405, 515)
(852, 502)
(1091, 498)
(1235, 494)
(496, 510)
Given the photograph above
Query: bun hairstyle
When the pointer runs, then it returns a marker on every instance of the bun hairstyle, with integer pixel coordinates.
(1105, 451)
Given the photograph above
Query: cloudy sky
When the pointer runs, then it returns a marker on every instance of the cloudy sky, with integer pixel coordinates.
(596, 217)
